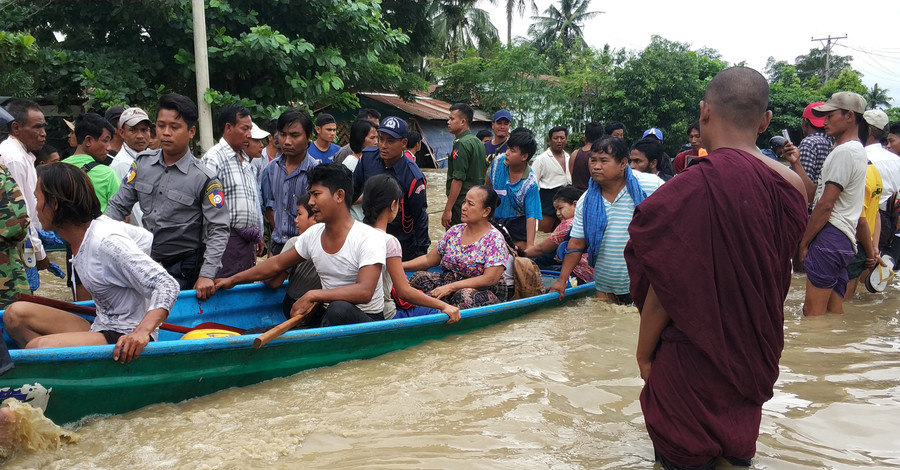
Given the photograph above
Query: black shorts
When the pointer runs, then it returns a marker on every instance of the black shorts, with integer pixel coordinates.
(113, 336)
(547, 196)
(858, 264)
(515, 227)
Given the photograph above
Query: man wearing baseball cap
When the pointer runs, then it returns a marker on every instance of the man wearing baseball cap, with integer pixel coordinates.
(500, 128)
(829, 242)
(411, 224)
(653, 132)
(134, 130)
(888, 166)
(113, 115)
(815, 145)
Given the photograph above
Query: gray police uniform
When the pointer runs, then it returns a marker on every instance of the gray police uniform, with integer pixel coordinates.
(184, 208)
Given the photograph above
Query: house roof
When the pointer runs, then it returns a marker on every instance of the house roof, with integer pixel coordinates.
(424, 107)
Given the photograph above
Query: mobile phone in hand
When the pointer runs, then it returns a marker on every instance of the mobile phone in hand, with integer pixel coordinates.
(786, 135)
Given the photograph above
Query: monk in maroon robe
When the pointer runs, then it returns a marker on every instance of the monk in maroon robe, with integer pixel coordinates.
(710, 266)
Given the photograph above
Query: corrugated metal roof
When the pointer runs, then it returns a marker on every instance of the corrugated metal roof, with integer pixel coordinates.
(423, 107)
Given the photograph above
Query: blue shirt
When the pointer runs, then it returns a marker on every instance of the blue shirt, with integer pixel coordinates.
(516, 200)
(280, 192)
(411, 225)
(324, 157)
(493, 151)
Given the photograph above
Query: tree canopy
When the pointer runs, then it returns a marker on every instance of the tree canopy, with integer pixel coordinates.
(267, 55)
(112, 52)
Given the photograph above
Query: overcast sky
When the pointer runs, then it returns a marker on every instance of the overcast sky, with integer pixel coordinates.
(746, 31)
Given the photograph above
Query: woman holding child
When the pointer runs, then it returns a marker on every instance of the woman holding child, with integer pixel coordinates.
(473, 256)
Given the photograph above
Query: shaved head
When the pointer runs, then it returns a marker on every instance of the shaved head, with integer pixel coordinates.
(740, 95)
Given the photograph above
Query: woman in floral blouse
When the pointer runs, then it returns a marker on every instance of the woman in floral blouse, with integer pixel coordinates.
(473, 257)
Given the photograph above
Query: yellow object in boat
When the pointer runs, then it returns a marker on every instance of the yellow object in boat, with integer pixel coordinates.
(208, 333)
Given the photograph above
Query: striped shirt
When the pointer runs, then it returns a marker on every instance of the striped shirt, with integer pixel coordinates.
(610, 271)
(238, 178)
(280, 192)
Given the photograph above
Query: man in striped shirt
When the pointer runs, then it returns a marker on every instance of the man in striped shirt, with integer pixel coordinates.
(284, 179)
(602, 216)
(238, 177)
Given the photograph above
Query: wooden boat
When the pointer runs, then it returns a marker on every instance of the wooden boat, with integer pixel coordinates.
(86, 381)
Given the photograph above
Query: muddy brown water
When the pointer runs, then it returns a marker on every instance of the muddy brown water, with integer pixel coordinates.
(554, 389)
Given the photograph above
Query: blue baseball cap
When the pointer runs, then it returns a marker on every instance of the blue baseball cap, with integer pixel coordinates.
(502, 114)
(394, 127)
(656, 133)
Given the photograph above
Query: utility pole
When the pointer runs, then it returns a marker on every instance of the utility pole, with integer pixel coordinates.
(201, 63)
(828, 51)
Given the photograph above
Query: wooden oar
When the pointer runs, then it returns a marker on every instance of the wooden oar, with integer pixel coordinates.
(92, 311)
(277, 331)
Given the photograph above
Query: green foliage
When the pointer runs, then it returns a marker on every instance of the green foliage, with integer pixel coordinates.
(459, 25)
(514, 78)
(877, 97)
(893, 114)
(661, 87)
(787, 99)
(563, 23)
(848, 80)
(262, 54)
(18, 62)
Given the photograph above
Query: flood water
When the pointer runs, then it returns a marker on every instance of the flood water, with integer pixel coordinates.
(555, 389)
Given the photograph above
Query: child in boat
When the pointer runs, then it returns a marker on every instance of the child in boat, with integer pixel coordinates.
(133, 293)
(380, 206)
(547, 253)
(303, 277)
(348, 256)
(473, 256)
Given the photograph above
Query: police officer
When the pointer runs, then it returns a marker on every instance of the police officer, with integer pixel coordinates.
(411, 225)
(182, 200)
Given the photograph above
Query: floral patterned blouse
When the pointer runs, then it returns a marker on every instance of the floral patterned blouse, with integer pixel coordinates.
(471, 260)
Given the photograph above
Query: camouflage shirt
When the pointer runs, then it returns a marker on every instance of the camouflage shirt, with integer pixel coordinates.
(13, 229)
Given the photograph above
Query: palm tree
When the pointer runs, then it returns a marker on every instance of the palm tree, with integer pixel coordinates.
(515, 5)
(564, 23)
(878, 97)
(460, 25)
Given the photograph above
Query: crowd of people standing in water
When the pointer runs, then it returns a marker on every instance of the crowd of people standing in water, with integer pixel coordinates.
(722, 220)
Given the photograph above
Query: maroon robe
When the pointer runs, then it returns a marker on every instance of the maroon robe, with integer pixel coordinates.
(716, 244)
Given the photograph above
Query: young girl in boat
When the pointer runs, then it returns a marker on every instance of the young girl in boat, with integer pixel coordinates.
(473, 256)
(547, 253)
(380, 206)
(133, 293)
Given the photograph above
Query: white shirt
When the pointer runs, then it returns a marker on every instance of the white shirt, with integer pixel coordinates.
(356, 209)
(548, 173)
(846, 167)
(114, 265)
(364, 246)
(121, 166)
(888, 164)
(20, 163)
(394, 250)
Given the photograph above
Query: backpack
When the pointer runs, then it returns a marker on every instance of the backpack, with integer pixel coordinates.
(527, 278)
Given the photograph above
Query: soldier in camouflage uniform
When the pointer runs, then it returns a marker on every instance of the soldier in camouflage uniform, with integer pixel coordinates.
(13, 229)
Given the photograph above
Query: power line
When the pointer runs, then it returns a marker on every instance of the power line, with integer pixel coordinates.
(828, 50)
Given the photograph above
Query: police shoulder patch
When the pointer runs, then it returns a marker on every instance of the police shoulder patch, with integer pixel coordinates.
(215, 194)
(132, 173)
